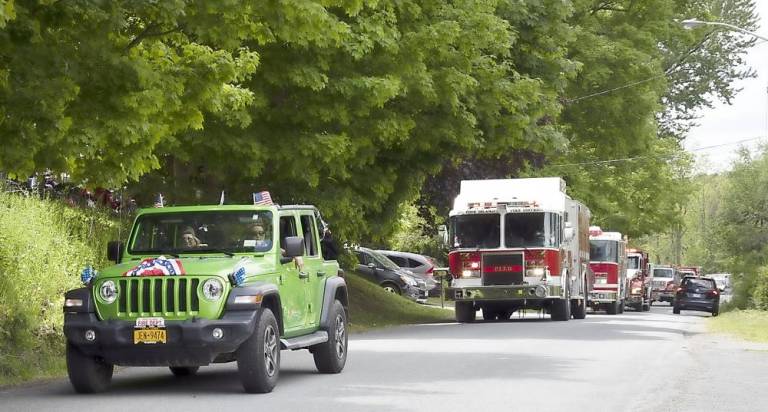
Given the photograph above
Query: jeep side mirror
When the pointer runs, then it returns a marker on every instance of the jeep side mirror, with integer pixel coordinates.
(294, 247)
(115, 251)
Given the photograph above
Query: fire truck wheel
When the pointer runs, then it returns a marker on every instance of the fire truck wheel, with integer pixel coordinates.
(612, 308)
(507, 313)
(579, 308)
(561, 310)
(489, 314)
(465, 312)
(646, 307)
(675, 310)
(621, 307)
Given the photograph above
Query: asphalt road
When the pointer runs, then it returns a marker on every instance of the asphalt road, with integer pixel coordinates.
(632, 362)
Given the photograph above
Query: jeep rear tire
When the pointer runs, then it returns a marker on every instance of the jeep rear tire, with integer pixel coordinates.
(465, 312)
(181, 371)
(331, 356)
(86, 373)
(258, 358)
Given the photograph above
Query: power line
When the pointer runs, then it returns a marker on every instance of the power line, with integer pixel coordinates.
(669, 157)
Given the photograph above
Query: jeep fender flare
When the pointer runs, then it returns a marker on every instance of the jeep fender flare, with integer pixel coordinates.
(270, 298)
(335, 289)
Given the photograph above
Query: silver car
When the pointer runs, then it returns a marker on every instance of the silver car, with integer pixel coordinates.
(420, 265)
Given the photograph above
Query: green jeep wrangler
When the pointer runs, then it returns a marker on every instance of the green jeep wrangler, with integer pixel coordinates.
(203, 284)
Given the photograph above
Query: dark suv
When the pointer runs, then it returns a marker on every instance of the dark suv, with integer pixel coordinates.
(697, 293)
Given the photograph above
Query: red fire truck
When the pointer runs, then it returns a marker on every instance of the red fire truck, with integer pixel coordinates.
(518, 244)
(608, 260)
(638, 280)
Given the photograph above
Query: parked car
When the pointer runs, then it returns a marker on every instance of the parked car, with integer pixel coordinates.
(699, 294)
(380, 269)
(421, 266)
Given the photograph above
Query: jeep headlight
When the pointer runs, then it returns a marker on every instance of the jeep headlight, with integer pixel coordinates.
(108, 291)
(213, 289)
(410, 281)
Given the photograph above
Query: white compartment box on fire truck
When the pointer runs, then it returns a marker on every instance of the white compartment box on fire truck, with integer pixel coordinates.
(518, 244)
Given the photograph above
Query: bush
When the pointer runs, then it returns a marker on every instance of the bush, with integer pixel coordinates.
(43, 247)
(760, 290)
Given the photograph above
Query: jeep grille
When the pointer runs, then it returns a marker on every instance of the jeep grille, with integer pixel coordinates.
(158, 296)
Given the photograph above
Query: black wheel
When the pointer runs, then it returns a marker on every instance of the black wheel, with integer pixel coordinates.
(561, 310)
(621, 307)
(579, 308)
(716, 311)
(675, 310)
(86, 373)
(490, 314)
(331, 356)
(391, 288)
(258, 358)
(612, 308)
(638, 307)
(646, 307)
(504, 314)
(180, 371)
(465, 312)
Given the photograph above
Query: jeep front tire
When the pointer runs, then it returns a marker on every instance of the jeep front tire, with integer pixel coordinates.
(86, 373)
(331, 356)
(258, 358)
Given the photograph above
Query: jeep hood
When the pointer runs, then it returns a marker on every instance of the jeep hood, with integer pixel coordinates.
(200, 266)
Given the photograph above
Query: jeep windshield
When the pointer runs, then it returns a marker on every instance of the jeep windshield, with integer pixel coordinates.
(539, 229)
(603, 251)
(663, 273)
(204, 232)
(476, 231)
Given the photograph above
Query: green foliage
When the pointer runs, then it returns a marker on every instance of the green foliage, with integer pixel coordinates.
(760, 292)
(409, 235)
(43, 247)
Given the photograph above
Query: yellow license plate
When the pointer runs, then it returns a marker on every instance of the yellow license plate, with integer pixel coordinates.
(149, 336)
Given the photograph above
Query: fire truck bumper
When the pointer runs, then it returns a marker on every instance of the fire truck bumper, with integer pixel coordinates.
(511, 292)
(602, 296)
(634, 299)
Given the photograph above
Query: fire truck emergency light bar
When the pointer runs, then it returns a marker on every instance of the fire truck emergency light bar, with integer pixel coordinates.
(495, 204)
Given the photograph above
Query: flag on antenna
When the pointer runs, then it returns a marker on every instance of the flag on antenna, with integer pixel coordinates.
(159, 201)
(221, 200)
(262, 198)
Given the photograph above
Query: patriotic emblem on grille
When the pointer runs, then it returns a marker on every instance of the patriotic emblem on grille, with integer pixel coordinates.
(157, 267)
(262, 198)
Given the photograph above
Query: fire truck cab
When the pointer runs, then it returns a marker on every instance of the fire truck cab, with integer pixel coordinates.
(608, 261)
(518, 244)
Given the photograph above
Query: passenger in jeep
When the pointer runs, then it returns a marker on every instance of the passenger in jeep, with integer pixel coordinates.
(189, 239)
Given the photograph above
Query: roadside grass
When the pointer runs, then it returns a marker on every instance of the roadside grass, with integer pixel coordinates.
(751, 325)
(371, 307)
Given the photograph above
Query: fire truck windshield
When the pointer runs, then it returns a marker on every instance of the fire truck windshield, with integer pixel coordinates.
(633, 262)
(476, 231)
(537, 229)
(603, 251)
(663, 273)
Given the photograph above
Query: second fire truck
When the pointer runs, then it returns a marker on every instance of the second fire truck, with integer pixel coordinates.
(518, 244)
(608, 260)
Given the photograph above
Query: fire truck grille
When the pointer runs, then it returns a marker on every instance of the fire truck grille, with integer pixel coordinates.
(502, 269)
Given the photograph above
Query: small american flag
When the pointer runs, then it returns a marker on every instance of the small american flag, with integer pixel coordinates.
(262, 198)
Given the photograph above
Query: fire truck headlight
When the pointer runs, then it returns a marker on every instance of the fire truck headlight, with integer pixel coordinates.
(537, 272)
(466, 273)
(474, 265)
